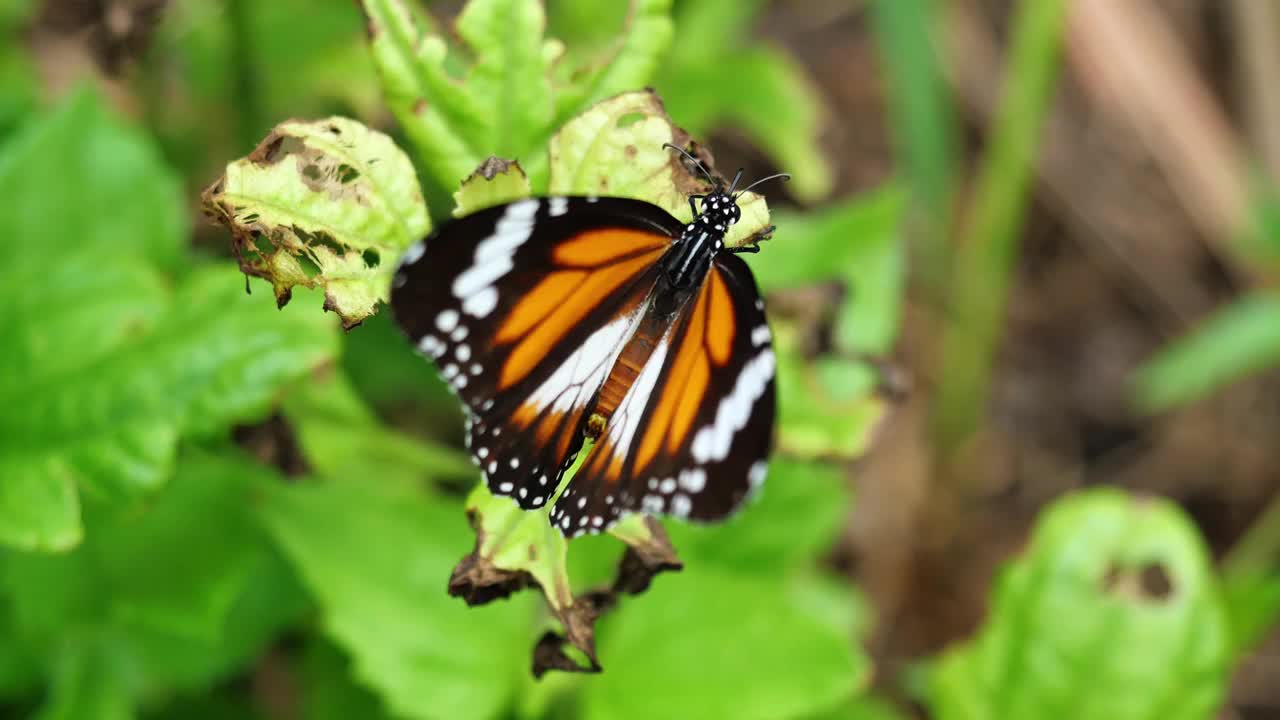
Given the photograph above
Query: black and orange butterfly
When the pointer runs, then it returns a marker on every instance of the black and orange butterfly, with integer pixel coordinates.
(556, 319)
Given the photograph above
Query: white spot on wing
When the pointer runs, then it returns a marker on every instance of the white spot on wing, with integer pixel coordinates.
(447, 319)
(493, 259)
(558, 206)
(413, 253)
(712, 441)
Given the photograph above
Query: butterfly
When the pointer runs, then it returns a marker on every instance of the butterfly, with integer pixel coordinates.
(558, 319)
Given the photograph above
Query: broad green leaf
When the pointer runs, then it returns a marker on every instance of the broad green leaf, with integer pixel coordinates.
(616, 148)
(340, 436)
(495, 182)
(107, 420)
(795, 518)
(1240, 339)
(706, 644)
(717, 76)
(328, 690)
(1107, 584)
(328, 204)
(376, 556)
(174, 604)
(78, 180)
(89, 681)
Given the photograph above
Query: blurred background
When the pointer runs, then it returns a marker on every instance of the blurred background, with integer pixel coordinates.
(1031, 248)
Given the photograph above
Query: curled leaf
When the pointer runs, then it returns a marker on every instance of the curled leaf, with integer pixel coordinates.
(326, 204)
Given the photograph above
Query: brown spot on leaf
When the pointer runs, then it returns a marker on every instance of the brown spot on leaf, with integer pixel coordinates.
(494, 166)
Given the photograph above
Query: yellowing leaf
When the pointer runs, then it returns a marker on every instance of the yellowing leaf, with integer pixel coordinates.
(326, 204)
(616, 148)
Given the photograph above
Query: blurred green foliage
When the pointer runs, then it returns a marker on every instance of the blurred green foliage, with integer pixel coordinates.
(157, 560)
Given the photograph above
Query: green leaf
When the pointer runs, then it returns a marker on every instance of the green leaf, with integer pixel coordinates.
(720, 645)
(1252, 602)
(800, 509)
(1240, 339)
(78, 180)
(328, 691)
(630, 63)
(89, 682)
(504, 107)
(327, 204)
(340, 436)
(827, 407)
(1107, 584)
(616, 148)
(164, 602)
(495, 182)
(505, 103)
(858, 242)
(376, 556)
(713, 78)
(107, 420)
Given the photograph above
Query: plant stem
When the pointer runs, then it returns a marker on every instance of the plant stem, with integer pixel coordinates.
(985, 259)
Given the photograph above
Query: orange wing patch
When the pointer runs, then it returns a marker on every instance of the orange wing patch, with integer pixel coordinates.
(593, 248)
(561, 301)
(709, 340)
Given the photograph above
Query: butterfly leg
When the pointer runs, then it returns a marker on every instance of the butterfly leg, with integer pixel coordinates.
(746, 249)
(693, 206)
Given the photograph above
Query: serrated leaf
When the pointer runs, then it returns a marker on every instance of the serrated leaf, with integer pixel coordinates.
(495, 182)
(502, 107)
(328, 204)
(109, 420)
(1107, 584)
(616, 148)
(1238, 340)
(720, 645)
(645, 37)
(375, 555)
(505, 103)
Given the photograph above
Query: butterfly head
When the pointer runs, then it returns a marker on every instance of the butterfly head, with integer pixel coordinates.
(719, 211)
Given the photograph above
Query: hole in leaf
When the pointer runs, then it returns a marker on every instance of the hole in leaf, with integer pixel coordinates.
(1150, 583)
(371, 258)
(312, 172)
(629, 119)
(1155, 581)
(346, 174)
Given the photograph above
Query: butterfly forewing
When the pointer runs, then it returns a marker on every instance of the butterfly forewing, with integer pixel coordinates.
(524, 308)
(692, 434)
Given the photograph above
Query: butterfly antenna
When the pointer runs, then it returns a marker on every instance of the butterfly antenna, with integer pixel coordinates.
(736, 178)
(784, 176)
(693, 160)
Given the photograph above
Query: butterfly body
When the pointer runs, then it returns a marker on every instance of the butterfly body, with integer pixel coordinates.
(560, 319)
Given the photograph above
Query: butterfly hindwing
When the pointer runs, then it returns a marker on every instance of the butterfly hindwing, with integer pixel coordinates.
(524, 308)
(693, 433)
